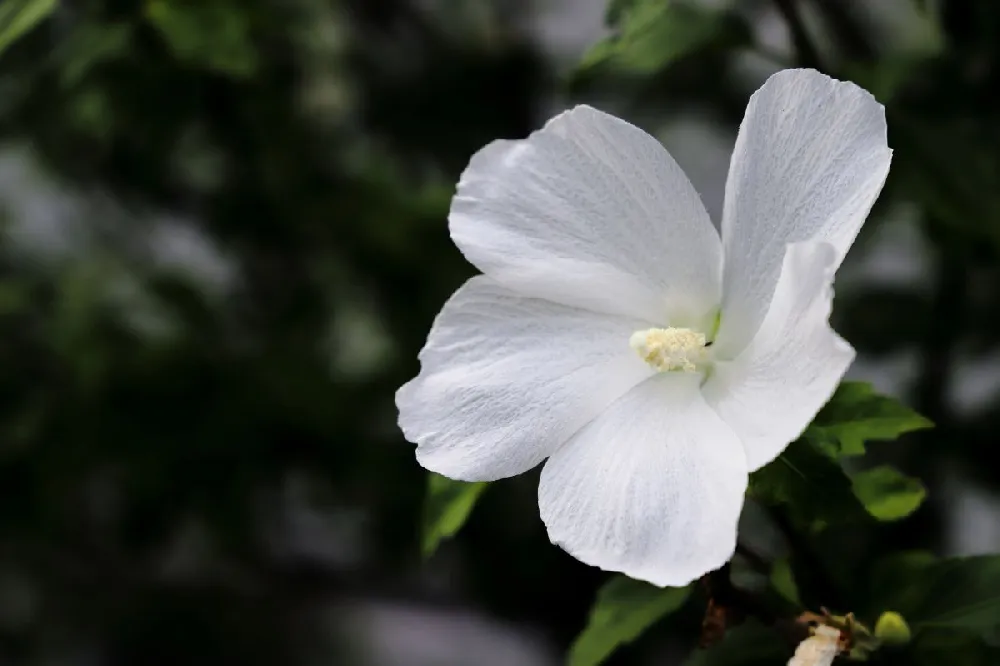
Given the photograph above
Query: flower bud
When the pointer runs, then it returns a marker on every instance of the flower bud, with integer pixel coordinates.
(892, 629)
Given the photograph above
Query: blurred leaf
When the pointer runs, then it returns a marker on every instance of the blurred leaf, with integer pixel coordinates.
(783, 580)
(869, 317)
(891, 584)
(214, 34)
(950, 167)
(958, 593)
(749, 644)
(446, 508)
(91, 45)
(14, 296)
(856, 414)
(651, 34)
(93, 111)
(938, 647)
(747, 575)
(616, 8)
(19, 16)
(623, 610)
(887, 77)
(811, 485)
(887, 493)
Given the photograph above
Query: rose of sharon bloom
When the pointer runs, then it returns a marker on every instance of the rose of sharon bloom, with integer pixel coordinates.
(615, 334)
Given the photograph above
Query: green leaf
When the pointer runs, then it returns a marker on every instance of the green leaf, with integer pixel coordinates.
(214, 34)
(19, 16)
(887, 493)
(623, 610)
(856, 414)
(811, 485)
(750, 644)
(958, 593)
(651, 34)
(783, 581)
(446, 508)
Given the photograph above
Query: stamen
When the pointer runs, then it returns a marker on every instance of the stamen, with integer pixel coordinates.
(669, 349)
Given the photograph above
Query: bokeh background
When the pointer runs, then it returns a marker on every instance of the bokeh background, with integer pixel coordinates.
(224, 239)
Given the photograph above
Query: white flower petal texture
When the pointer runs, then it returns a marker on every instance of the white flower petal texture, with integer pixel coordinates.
(506, 379)
(810, 160)
(771, 391)
(615, 334)
(653, 486)
(589, 211)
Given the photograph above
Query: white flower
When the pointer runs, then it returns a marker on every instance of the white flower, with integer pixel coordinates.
(614, 333)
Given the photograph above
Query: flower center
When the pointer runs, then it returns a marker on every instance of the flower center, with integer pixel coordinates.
(670, 348)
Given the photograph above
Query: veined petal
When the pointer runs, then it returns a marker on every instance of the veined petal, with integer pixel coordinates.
(773, 390)
(810, 160)
(593, 212)
(505, 380)
(652, 488)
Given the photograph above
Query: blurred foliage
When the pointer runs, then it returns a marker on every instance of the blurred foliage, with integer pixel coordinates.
(623, 610)
(783, 581)
(19, 16)
(214, 36)
(651, 34)
(750, 644)
(809, 486)
(446, 508)
(245, 205)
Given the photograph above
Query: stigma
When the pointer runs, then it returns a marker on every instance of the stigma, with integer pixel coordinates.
(669, 349)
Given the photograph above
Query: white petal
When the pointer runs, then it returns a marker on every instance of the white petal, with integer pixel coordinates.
(505, 380)
(809, 162)
(772, 391)
(820, 649)
(593, 212)
(652, 488)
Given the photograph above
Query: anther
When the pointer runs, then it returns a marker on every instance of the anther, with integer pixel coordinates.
(670, 348)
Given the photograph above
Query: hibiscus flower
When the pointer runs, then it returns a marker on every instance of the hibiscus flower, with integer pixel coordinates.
(649, 360)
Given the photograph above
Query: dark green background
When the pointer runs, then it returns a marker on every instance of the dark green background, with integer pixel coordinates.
(208, 472)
